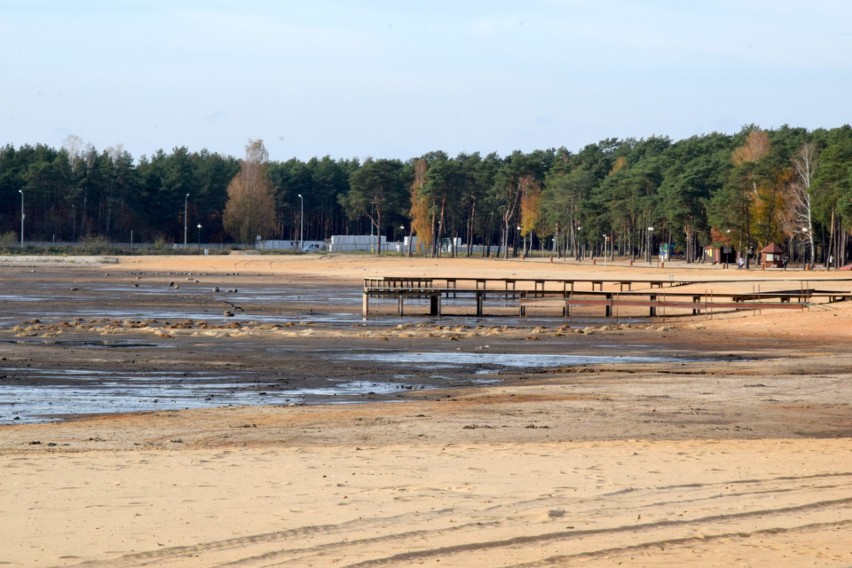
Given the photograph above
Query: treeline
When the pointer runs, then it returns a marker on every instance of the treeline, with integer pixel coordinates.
(788, 186)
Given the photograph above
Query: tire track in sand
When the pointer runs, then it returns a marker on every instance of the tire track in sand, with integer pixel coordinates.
(461, 543)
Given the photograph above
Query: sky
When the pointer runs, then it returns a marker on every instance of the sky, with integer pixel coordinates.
(400, 78)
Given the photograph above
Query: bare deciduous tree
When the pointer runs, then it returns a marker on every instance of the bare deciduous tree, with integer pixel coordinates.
(757, 145)
(250, 210)
(755, 148)
(512, 192)
(799, 215)
(530, 209)
(420, 208)
(80, 152)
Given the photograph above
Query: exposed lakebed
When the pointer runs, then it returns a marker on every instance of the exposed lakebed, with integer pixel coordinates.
(85, 343)
(45, 394)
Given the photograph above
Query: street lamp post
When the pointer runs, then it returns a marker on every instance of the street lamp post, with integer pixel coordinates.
(606, 241)
(185, 209)
(556, 242)
(301, 221)
(578, 243)
(22, 217)
(650, 232)
(199, 237)
(728, 243)
(517, 239)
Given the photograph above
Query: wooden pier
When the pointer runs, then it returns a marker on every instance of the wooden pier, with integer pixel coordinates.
(563, 297)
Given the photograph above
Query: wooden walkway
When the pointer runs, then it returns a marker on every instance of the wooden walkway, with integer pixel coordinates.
(562, 297)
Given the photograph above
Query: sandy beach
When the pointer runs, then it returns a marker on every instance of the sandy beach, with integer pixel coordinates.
(735, 453)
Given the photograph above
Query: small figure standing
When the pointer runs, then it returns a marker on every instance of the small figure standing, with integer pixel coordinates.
(740, 262)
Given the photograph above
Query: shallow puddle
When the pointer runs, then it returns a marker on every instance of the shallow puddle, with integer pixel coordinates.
(515, 360)
(53, 394)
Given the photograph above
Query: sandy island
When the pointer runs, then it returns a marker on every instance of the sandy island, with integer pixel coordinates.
(744, 461)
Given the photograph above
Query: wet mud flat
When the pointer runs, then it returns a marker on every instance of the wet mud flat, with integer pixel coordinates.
(75, 342)
(57, 370)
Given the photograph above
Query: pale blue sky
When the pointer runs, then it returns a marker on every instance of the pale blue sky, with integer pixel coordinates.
(400, 78)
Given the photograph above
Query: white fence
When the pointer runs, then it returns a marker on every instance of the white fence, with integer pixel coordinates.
(349, 243)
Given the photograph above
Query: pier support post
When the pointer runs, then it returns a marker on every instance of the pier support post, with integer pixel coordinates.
(653, 298)
(365, 305)
(435, 304)
(480, 300)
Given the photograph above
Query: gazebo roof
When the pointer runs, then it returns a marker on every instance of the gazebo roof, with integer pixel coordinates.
(772, 248)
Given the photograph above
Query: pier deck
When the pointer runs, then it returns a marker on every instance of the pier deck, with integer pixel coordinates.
(560, 296)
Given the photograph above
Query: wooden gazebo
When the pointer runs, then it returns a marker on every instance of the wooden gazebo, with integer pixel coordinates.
(772, 256)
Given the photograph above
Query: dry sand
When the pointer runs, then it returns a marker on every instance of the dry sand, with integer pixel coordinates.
(745, 462)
